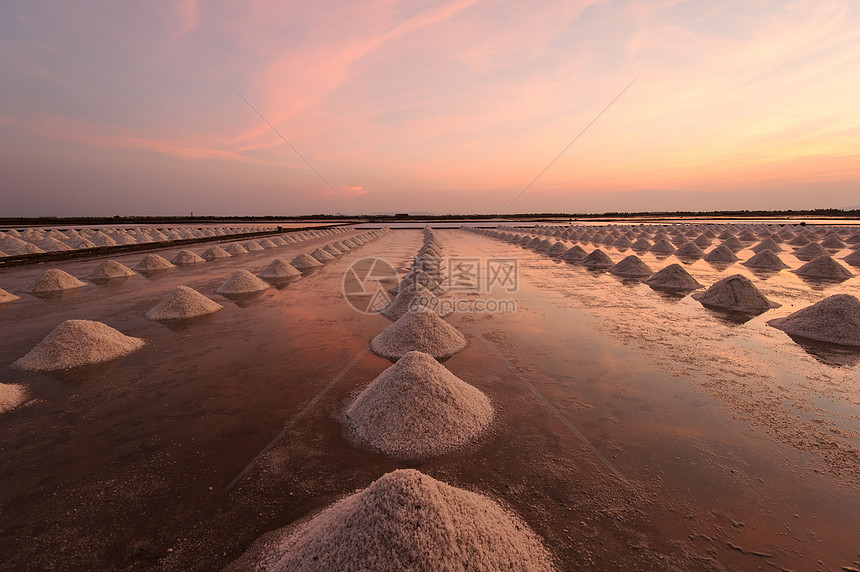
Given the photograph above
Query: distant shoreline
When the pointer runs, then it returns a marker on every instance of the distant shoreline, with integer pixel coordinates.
(530, 217)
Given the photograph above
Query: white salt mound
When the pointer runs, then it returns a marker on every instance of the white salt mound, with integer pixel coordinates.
(235, 249)
(54, 280)
(6, 297)
(305, 262)
(765, 260)
(187, 257)
(111, 269)
(153, 262)
(242, 282)
(422, 331)
(78, 342)
(411, 297)
(181, 303)
(279, 269)
(11, 396)
(674, 278)
(215, 253)
(632, 267)
(406, 520)
(735, 293)
(824, 267)
(835, 319)
(417, 408)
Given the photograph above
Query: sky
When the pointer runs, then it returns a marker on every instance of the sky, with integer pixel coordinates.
(286, 108)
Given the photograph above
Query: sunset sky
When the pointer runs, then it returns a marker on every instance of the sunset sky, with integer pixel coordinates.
(127, 108)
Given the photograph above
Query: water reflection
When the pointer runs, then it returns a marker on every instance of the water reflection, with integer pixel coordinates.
(829, 354)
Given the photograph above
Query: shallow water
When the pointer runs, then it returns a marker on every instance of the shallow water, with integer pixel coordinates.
(633, 430)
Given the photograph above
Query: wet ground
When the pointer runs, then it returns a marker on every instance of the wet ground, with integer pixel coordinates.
(634, 430)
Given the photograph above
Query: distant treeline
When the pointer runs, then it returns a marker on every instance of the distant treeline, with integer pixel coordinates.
(172, 220)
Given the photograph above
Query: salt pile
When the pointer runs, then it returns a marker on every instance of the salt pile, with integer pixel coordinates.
(153, 262)
(322, 256)
(54, 280)
(422, 331)
(78, 342)
(824, 267)
(557, 249)
(111, 269)
(411, 297)
(631, 267)
(641, 245)
(416, 409)
(662, 246)
(721, 253)
(597, 259)
(181, 303)
(266, 243)
(835, 319)
(187, 257)
(689, 250)
(767, 244)
(215, 253)
(833, 242)
(574, 254)
(235, 249)
(853, 259)
(6, 297)
(673, 278)
(811, 251)
(279, 269)
(252, 246)
(765, 260)
(242, 282)
(330, 249)
(406, 520)
(735, 293)
(305, 262)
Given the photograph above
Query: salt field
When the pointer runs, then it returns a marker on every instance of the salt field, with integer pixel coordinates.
(240, 412)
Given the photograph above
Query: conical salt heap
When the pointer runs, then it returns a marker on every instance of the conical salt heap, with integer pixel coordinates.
(279, 269)
(54, 280)
(182, 303)
(574, 254)
(767, 244)
(416, 409)
(214, 253)
(833, 243)
(631, 267)
(110, 269)
(252, 246)
(811, 251)
(689, 250)
(418, 276)
(186, 257)
(330, 249)
(152, 262)
(735, 293)
(235, 249)
(824, 267)
(305, 262)
(721, 253)
(78, 342)
(322, 256)
(6, 297)
(853, 259)
(405, 520)
(835, 320)
(765, 260)
(242, 282)
(597, 259)
(641, 245)
(662, 246)
(266, 243)
(673, 278)
(422, 331)
(409, 298)
(733, 244)
(557, 249)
